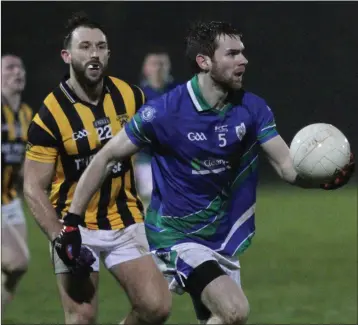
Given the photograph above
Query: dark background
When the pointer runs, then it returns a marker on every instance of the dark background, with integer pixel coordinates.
(303, 56)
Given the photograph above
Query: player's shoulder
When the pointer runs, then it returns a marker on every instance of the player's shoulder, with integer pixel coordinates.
(168, 100)
(250, 98)
(254, 102)
(121, 84)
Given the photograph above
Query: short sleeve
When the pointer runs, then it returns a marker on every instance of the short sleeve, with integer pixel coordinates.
(144, 126)
(265, 123)
(42, 144)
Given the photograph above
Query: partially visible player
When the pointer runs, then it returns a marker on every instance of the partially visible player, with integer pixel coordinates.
(156, 73)
(75, 121)
(156, 81)
(15, 119)
(205, 136)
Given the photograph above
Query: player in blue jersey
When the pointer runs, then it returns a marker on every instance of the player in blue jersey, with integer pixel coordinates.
(156, 80)
(205, 136)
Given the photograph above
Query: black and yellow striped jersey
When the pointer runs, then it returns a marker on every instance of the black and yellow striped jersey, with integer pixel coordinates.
(69, 132)
(14, 127)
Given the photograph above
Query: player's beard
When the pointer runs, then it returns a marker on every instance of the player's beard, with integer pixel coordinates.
(221, 78)
(80, 73)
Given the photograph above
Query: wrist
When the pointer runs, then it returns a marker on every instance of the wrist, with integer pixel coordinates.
(72, 220)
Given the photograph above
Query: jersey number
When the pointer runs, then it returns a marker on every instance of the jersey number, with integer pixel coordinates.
(222, 140)
(104, 132)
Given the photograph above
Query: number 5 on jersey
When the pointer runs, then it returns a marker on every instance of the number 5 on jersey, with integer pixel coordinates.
(222, 140)
(104, 132)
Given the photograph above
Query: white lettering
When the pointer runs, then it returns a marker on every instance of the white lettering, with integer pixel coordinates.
(196, 136)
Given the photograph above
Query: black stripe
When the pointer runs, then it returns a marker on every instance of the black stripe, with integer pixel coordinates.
(122, 207)
(138, 98)
(4, 134)
(102, 210)
(133, 189)
(117, 98)
(48, 119)
(63, 192)
(83, 146)
(105, 191)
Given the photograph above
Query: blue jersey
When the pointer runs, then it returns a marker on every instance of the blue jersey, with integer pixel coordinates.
(150, 93)
(204, 167)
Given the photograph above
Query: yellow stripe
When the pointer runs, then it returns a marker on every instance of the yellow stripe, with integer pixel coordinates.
(110, 112)
(127, 95)
(28, 111)
(88, 118)
(40, 123)
(42, 154)
(6, 176)
(131, 199)
(62, 122)
(13, 193)
(115, 221)
(91, 212)
(9, 115)
(56, 182)
(23, 124)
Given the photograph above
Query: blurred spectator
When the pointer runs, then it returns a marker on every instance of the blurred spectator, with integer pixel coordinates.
(156, 80)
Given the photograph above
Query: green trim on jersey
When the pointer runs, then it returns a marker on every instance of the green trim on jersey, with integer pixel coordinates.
(198, 99)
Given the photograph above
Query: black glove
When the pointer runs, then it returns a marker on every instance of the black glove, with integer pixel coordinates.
(341, 177)
(68, 245)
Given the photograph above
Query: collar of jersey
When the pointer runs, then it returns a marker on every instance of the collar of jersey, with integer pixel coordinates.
(73, 98)
(198, 99)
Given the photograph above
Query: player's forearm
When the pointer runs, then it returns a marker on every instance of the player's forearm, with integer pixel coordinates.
(288, 173)
(90, 181)
(42, 210)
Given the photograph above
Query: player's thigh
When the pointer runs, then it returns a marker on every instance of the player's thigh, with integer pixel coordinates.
(78, 297)
(133, 266)
(144, 284)
(15, 253)
(226, 299)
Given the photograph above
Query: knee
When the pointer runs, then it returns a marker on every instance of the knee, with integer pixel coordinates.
(16, 263)
(155, 310)
(84, 314)
(237, 314)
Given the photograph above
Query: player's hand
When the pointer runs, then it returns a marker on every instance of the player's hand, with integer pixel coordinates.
(341, 177)
(68, 245)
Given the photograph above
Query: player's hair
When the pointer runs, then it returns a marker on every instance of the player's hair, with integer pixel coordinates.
(79, 19)
(202, 39)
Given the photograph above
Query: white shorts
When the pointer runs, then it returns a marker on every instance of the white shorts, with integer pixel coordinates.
(143, 176)
(12, 213)
(184, 258)
(111, 246)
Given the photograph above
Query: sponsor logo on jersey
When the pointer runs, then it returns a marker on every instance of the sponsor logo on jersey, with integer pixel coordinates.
(196, 136)
(80, 135)
(209, 166)
(101, 122)
(221, 128)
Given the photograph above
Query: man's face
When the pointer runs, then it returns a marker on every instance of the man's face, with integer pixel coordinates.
(156, 66)
(13, 74)
(88, 54)
(228, 63)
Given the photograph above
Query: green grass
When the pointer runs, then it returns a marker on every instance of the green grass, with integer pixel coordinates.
(301, 268)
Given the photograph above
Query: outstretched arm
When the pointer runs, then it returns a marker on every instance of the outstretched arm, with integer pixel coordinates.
(119, 148)
(278, 153)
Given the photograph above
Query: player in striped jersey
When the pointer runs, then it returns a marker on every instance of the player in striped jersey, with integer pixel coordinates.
(205, 136)
(75, 121)
(15, 119)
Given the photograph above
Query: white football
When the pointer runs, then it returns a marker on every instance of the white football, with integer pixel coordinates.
(318, 150)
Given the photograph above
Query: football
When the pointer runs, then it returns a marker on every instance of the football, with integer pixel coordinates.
(318, 151)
